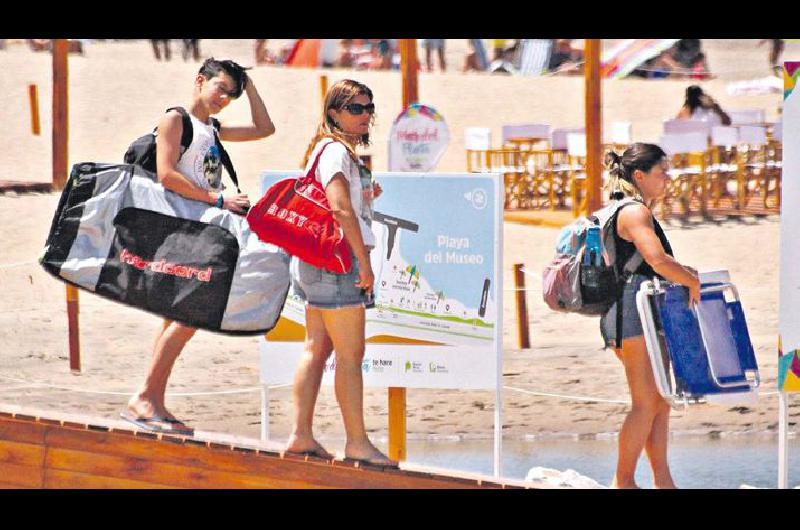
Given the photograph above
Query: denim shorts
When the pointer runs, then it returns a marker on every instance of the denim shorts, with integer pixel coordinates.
(326, 290)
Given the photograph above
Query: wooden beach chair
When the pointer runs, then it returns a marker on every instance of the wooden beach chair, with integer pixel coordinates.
(722, 170)
(747, 116)
(688, 156)
(687, 126)
(508, 162)
(478, 143)
(754, 175)
(701, 353)
(576, 157)
(526, 136)
(562, 168)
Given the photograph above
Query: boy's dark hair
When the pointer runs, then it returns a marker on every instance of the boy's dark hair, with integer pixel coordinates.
(211, 67)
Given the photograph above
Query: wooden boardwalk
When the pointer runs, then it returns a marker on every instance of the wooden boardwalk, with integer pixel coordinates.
(69, 451)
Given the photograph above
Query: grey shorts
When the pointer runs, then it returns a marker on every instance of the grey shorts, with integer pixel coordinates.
(631, 323)
(323, 289)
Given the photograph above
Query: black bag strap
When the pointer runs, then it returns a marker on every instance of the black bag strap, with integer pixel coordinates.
(188, 130)
(624, 275)
(226, 159)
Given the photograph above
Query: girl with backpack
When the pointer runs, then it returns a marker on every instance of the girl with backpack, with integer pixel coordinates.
(335, 303)
(641, 173)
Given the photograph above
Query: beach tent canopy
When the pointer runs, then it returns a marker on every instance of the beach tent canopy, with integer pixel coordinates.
(624, 58)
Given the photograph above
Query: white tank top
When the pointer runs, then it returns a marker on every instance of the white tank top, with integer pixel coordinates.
(202, 163)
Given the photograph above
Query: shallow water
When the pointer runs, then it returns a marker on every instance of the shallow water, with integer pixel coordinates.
(696, 462)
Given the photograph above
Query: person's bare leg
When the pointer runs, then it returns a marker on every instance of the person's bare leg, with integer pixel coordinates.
(645, 405)
(428, 59)
(442, 64)
(345, 327)
(656, 448)
(307, 381)
(149, 400)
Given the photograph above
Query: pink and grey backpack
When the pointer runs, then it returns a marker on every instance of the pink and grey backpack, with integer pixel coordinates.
(584, 280)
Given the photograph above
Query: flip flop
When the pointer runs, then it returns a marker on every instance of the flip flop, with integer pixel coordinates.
(152, 424)
(373, 462)
(316, 453)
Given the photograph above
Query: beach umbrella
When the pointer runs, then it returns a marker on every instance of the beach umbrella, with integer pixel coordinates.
(623, 59)
(306, 53)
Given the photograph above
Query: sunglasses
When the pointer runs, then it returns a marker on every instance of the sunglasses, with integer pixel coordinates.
(357, 108)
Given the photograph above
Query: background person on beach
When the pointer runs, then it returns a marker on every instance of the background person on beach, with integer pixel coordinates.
(335, 303)
(191, 48)
(700, 106)
(641, 173)
(161, 47)
(437, 45)
(196, 175)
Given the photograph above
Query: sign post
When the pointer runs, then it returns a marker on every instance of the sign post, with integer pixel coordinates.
(397, 395)
(789, 308)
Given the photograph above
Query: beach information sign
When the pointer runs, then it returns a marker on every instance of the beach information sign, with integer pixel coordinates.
(418, 139)
(436, 321)
(789, 363)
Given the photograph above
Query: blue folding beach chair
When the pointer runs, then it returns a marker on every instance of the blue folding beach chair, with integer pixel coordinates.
(701, 353)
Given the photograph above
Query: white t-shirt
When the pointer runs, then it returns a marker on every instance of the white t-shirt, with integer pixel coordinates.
(335, 159)
(202, 162)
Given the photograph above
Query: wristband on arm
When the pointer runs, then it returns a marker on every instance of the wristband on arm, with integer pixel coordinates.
(220, 200)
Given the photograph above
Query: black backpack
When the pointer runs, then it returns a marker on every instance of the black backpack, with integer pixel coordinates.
(142, 152)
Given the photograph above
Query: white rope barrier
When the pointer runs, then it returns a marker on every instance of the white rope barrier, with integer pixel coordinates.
(100, 392)
(28, 384)
(571, 398)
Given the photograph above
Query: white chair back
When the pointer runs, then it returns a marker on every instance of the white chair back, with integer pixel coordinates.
(621, 132)
(777, 130)
(676, 144)
(558, 138)
(747, 116)
(752, 135)
(528, 130)
(687, 126)
(477, 138)
(576, 144)
(722, 136)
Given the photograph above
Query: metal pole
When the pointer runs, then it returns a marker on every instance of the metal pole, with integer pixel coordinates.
(264, 412)
(594, 125)
(783, 446)
(498, 345)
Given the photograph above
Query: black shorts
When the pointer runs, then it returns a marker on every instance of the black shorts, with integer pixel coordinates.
(631, 323)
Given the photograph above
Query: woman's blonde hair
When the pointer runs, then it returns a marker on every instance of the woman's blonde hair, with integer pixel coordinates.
(339, 95)
(621, 168)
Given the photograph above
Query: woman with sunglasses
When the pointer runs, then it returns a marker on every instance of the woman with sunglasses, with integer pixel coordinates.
(335, 303)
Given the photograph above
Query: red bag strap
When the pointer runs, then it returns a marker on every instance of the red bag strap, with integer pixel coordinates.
(311, 172)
